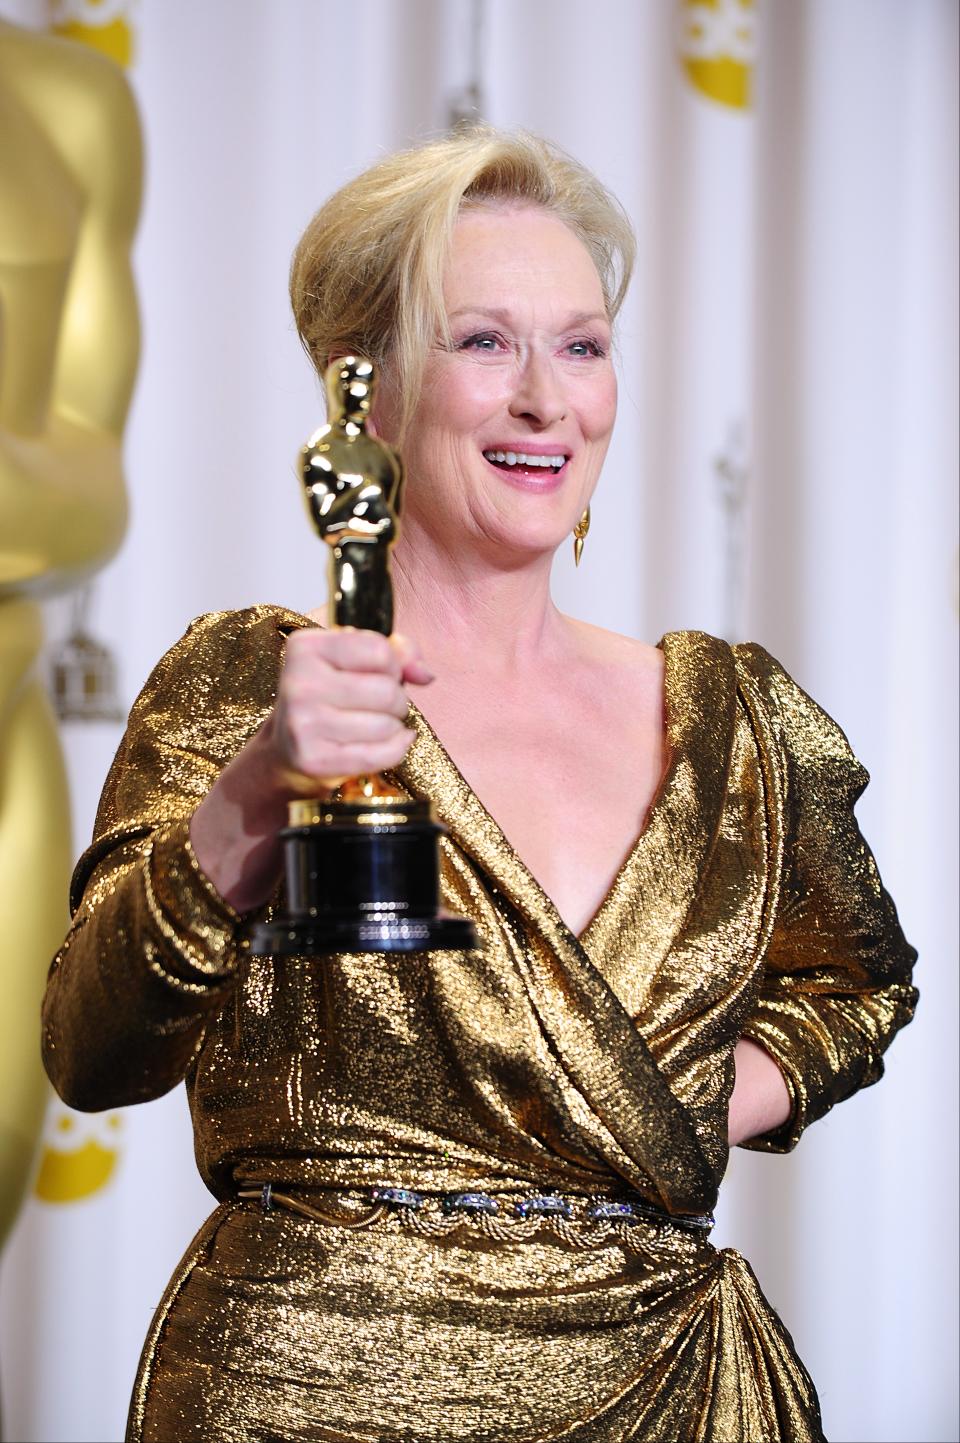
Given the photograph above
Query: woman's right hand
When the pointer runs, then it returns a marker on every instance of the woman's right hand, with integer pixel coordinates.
(341, 707)
(340, 711)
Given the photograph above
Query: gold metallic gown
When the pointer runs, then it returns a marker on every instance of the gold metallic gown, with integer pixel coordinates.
(592, 1067)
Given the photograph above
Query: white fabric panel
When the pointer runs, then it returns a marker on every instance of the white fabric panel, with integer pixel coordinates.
(796, 279)
(854, 587)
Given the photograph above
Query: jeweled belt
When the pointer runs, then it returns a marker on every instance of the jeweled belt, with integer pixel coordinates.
(582, 1222)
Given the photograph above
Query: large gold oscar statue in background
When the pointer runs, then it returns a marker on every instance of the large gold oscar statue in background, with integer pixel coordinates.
(70, 174)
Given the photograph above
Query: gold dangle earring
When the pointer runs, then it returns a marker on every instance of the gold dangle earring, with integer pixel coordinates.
(580, 536)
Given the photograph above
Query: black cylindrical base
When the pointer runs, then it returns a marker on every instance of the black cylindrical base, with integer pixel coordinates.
(363, 877)
(288, 936)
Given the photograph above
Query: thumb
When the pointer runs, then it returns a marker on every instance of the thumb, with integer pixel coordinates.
(415, 669)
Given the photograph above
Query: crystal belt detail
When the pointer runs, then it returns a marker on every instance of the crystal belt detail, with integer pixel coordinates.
(580, 1221)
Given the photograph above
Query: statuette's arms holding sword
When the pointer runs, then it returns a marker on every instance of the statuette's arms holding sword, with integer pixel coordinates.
(353, 483)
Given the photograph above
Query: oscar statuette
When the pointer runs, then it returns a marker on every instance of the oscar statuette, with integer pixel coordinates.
(362, 868)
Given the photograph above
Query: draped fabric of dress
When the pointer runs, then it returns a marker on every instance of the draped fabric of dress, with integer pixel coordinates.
(597, 1066)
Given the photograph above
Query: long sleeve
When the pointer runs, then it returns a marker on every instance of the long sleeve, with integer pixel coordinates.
(152, 952)
(836, 985)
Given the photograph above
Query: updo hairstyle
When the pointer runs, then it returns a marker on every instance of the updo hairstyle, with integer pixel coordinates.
(367, 275)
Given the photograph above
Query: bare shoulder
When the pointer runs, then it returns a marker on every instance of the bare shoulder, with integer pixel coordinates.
(611, 650)
(616, 675)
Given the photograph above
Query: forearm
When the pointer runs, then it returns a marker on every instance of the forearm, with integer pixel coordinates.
(234, 831)
(760, 1101)
(151, 956)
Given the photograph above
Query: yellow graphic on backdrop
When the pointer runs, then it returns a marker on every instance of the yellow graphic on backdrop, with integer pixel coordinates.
(80, 1154)
(717, 46)
(107, 25)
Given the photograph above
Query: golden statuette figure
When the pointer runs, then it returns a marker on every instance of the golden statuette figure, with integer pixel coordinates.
(362, 869)
(353, 483)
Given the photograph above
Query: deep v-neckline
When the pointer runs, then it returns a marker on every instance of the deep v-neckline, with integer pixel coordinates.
(590, 1032)
(667, 782)
(663, 869)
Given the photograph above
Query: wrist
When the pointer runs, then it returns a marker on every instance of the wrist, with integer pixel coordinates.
(760, 1101)
(233, 832)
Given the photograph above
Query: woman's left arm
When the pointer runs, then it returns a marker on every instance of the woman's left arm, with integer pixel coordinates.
(836, 985)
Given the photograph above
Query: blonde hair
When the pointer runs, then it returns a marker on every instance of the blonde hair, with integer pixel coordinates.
(367, 275)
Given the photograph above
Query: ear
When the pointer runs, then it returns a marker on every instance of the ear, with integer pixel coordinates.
(384, 419)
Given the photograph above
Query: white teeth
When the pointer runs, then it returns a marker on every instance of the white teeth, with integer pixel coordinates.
(518, 458)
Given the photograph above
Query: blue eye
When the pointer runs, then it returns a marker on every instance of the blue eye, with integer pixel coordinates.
(482, 341)
(586, 347)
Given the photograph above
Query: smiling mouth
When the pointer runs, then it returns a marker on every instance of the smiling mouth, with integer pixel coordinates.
(525, 463)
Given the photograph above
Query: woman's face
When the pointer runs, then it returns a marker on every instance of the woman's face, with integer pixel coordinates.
(529, 377)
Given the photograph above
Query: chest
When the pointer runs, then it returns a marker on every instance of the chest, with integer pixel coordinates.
(569, 785)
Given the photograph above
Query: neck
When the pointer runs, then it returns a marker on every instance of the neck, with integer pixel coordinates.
(470, 616)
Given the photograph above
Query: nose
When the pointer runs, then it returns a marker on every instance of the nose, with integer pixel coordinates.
(538, 395)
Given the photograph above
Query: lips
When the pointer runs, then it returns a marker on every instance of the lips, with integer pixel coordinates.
(539, 464)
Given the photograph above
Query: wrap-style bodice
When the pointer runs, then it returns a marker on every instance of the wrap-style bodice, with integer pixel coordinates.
(749, 905)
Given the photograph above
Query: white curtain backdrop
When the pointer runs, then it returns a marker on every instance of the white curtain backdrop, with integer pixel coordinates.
(784, 469)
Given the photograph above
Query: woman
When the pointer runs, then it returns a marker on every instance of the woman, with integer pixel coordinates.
(466, 1196)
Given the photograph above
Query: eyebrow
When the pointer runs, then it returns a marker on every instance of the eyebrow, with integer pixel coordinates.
(498, 313)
